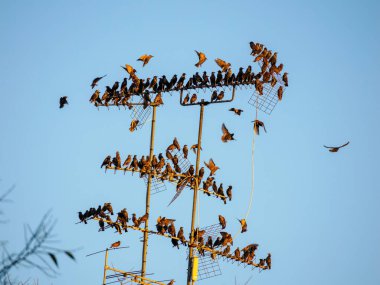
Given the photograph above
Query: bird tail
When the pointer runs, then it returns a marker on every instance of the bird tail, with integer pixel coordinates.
(197, 65)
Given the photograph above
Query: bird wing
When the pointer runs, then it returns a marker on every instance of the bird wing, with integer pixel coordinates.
(344, 144)
(129, 68)
(328, 146)
(224, 129)
(211, 163)
(220, 62)
(143, 57)
(198, 53)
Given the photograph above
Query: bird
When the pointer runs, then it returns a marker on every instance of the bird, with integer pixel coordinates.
(220, 96)
(211, 165)
(336, 148)
(229, 192)
(115, 244)
(227, 136)
(280, 91)
(128, 68)
(96, 80)
(236, 111)
(194, 146)
(268, 261)
(185, 151)
(101, 225)
(193, 98)
(181, 236)
(133, 125)
(106, 161)
(222, 222)
(186, 99)
(171, 282)
(202, 58)
(63, 102)
(217, 242)
(145, 58)
(222, 64)
(243, 224)
(158, 99)
(214, 96)
(257, 124)
(237, 253)
(285, 78)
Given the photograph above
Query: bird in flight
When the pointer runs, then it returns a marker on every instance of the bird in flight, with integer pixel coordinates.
(96, 80)
(227, 136)
(202, 58)
(222, 64)
(336, 148)
(236, 111)
(145, 59)
(211, 165)
(63, 102)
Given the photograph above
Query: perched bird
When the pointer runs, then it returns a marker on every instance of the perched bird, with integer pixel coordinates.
(106, 162)
(336, 148)
(227, 136)
(185, 151)
(222, 64)
(280, 91)
(193, 98)
(222, 222)
(285, 78)
(226, 239)
(96, 80)
(143, 219)
(176, 144)
(133, 125)
(145, 59)
(171, 282)
(229, 192)
(201, 58)
(214, 96)
(211, 165)
(243, 224)
(209, 242)
(226, 250)
(262, 262)
(101, 225)
(115, 244)
(186, 99)
(236, 111)
(63, 102)
(237, 253)
(181, 236)
(268, 261)
(127, 161)
(217, 242)
(135, 220)
(158, 100)
(220, 96)
(257, 124)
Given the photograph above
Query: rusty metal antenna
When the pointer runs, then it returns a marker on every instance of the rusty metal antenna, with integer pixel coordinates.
(202, 104)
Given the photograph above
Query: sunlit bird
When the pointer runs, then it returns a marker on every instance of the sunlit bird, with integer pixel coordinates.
(236, 111)
(145, 59)
(336, 148)
(211, 165)
(115, 244)
(201, 58)
(227, 136)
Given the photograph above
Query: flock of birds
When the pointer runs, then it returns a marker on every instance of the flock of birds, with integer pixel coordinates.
(165, 226)
(169, 169)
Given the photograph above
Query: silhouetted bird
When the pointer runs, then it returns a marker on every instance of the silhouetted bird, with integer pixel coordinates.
(96, 80)
(336, 148)
(63, 102)
(236, 111)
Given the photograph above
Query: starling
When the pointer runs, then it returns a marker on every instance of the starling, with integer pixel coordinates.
(226, 239)
(181, 236)
(185, 151)
(262, 263)
(158, 100)
(217, 242)
(209, 242)
(115, 244)
(127, 161)
(63, 102)
(222, 64)
(222, 222)
(201, 58)
(201, 173)
(143, 219)
(186, 99)
(211, 165)
(336, 148)
(219, 78)
(135, 220)
(212, 79)
(257, 124)
(194, 146)
(175, 242)
(280, 91)
(82, 217)
(171, 282)
(106, 161)
(227, 136)
(101, 225)
(214, 187)
(237, 253)
(129, 69)
(229, 192)
(145, 59)
(243, 224)
(133, 125)
(95, 97)
(193, 98)
(171, 230)
(285, 78)
(268, 261)
(220, 96)
(96, 80)
(226, 250)
(214, 96)
(236, 111)
(176, 144)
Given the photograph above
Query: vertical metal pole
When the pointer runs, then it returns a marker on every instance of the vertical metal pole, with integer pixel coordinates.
(105, 267)
(147, 203)
(193, 217)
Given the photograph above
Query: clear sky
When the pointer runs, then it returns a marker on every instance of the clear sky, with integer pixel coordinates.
(316, 212)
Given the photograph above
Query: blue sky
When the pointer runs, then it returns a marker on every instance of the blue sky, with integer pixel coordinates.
(316, 212)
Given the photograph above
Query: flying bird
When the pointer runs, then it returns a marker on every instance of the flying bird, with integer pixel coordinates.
(227, 136)
(145, 59)
(195, 146)
(133, 125)
(257, 124)
(211, 165)
(202, 58)
(336, 148)
(128, 68)
(222, 64)
(96, 80)
(236, 111)
(63, 102)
